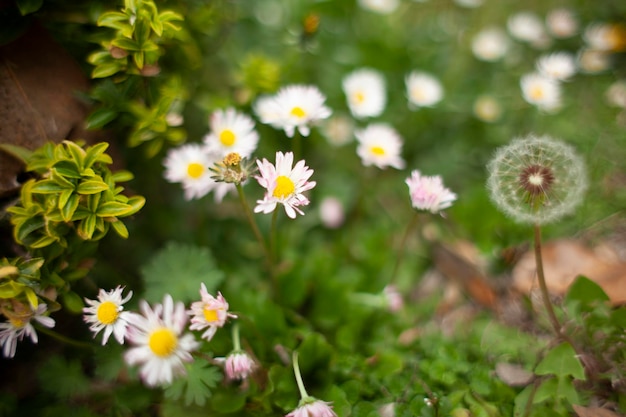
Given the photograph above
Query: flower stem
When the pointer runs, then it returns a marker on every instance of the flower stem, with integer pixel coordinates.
(542, 283)
(236, 340)
(273, 230)
(253, 225)
(64, 339)
(412, 223)
(296, 371)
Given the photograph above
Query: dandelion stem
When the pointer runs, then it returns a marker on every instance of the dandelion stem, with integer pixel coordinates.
(253, 225)
(296, 371)
(236, 339)
(64, 339)
(542, 283)
(412, 223)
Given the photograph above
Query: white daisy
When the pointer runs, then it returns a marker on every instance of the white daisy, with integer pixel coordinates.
(189, 165)
(107, 313)
(380, 6)
(210, 312)
(527, 27)
(616, 94)
(543, 92)
(423, 90)
(159, 345)
(469, 3)
(284, 184)
(487, 108)
(558, 65)
(490, 44)
(293, 107)
(562, 23)
(19, 325)
(338, 130)
(231, 131)
(593, 60)
(365, 91)
(380, 145)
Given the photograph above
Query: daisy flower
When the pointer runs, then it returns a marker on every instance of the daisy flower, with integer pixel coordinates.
(293, 107)
(428, 193)
(238, 365)
(284, 184)
(231, 131)
(365, 91)
(562, 23)
(159, 345)
(487, 108)
(380, 145)
(209, 313)
(423, 90)
(19, 325)
(189, 165)
(106, 313)
(543, 92)
(593, 60)
(616, 94)
(606, 37)
(338, 130)
(314, 408)
(527, 27)
(559, 66)
(380, 6)
(332, 212)
(490, 44)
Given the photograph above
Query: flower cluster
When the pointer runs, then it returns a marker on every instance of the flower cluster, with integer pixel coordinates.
(20, 324)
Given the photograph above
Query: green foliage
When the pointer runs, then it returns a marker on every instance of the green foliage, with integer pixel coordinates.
(62, 378)
(20, 278)
(197, 386)
(178, 269)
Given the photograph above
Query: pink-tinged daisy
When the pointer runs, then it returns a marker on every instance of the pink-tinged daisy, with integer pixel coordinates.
(238, 365)
(541, 91)
(428, 193)
(107, 313)
(189, 165)
(365, 91)
(423, 90)
(393, 298)
(284, 184)
(313, 408)
(527, 27)
(209, 313)
(231, 131)
(159, 344)
(562, 23)
(380, 145)
(19, 325)
(490, 44)
(293, 107)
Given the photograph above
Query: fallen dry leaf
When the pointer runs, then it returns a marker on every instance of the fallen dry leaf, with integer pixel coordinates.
(594, 412)
(513, 375)
(563, 261)
(38, 102)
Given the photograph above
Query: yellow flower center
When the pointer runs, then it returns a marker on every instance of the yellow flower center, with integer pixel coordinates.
(418, 94)
(107, 312)
(227, 137)
(377, 150)
(195, 170)
(162, 342)
(298, 112)
(536, 93)
(284, 187)
(359, 97)
(17, 322)
(211, 315)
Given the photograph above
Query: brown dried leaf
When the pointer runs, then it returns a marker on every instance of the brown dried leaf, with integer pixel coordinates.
(38, 102)
(563, 261)
(594, 412)
(513, 375)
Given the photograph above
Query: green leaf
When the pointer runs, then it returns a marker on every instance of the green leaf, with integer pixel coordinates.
(120, 228)
(69, 379)
(86, 227)
(196, 386)
(31, 296)
(136, 202)
(64, 197)
(107, 69)
(25, 228)
(18, 152)
(178, 269)
(112, 19)
(42, 242)
(101, 117)
(126, 44)
(29, 6)
(72, 302)
(561, 361)
(67, 169)
(228, 401)
(11, 289)
(48, 187)
(586, 293)
(94, 153)
(122, 176)
(91, 187)
(70, 207)
(78, 153)
(112, 209)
